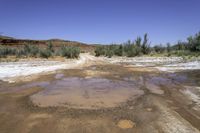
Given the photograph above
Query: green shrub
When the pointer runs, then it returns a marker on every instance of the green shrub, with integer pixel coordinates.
(50, 47)
(5, 51)
(159, 49)
(100, 50)
(69, 51)
(30, 50)
(45, 53)
(34, 51)
(119, 50)
(21, 53)
(109, 53)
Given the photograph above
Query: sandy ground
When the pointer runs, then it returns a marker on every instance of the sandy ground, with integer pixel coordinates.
(167, 64)
(194, 65)
(100, 95)
(13, 71)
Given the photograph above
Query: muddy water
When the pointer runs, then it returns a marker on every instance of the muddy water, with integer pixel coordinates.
(87, 93)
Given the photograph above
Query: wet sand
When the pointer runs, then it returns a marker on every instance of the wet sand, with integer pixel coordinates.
(103, 97)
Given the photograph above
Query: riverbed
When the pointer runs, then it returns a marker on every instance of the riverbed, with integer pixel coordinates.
(101, 95)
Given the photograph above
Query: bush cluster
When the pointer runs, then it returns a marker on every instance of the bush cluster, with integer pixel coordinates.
(69, 51)
(109, 50)
(34, 51)
(45, 53)
(4, 51)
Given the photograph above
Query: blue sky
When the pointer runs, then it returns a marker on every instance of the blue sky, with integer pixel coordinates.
(100, 21)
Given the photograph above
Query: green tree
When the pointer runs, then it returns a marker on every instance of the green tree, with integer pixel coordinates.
(100, 50)
(50, 47)
(138, 41)
(194, 42)
(119, 50)
(145, 45)
(168, 47)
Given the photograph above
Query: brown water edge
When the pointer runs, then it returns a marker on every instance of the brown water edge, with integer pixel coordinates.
(19, 114)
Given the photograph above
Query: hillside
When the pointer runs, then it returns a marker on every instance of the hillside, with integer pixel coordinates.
(5, 37)
(12, 42)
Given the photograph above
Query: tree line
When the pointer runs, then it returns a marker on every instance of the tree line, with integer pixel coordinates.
(141, 46)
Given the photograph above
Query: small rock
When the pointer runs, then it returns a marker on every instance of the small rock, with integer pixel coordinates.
(126, 124)
(149, 109)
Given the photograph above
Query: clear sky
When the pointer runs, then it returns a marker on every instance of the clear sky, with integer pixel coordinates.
(100, 21)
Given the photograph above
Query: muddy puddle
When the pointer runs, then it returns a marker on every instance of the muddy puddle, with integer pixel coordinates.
(86, 93)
